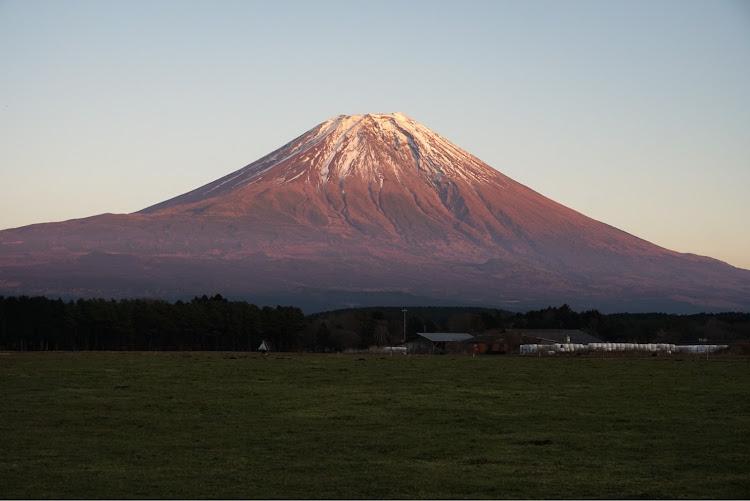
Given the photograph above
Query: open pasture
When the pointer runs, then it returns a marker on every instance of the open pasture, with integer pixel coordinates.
(236, 425)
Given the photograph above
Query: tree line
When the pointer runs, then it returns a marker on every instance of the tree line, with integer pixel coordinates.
(205, 323)
(215, 323)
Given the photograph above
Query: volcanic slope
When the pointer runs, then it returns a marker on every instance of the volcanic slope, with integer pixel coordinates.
(368, 209)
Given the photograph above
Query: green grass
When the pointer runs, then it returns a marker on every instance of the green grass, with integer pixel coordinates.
(235, 425)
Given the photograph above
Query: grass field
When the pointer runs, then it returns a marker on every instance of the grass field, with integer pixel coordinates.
(235, 425)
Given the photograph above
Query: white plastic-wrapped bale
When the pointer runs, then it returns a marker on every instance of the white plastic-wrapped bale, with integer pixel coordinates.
(527, 349)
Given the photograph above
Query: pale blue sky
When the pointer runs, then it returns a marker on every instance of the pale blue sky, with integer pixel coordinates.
(635, 113)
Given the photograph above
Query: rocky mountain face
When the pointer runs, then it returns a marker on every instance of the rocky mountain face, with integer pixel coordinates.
(366, 210)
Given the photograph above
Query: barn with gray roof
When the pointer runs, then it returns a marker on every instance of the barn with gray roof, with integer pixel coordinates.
(443, 342)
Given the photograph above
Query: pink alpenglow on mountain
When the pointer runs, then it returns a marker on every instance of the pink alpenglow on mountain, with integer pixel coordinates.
(366, 210)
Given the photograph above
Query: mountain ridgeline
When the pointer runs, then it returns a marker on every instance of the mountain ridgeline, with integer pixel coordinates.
(366, 210)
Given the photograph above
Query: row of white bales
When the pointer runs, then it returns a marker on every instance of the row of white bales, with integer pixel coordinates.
(527, 349)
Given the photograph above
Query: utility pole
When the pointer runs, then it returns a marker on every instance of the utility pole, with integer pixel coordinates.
(404, 310)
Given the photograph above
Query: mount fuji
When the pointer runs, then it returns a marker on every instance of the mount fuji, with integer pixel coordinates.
(369, 209)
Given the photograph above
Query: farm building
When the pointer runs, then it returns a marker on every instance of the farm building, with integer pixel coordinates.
(548, 336)
(498, 342)
(440, 342)
(509, 340)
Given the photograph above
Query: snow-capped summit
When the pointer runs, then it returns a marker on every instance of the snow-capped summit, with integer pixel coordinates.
(371, 147)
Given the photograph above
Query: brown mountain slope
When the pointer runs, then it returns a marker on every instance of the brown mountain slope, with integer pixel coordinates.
(366, 206)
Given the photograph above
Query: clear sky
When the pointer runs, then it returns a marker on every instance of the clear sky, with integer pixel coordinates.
(634, 112)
